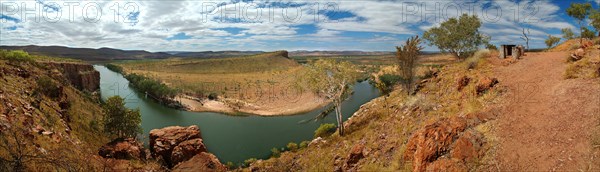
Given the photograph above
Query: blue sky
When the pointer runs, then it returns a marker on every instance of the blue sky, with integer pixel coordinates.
(267, 25)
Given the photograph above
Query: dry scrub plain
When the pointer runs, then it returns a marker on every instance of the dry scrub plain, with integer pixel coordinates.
(261, 84)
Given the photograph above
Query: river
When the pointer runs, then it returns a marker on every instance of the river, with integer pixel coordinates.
(230, 138)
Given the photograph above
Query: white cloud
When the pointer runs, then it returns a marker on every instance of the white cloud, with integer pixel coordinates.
(261, 28)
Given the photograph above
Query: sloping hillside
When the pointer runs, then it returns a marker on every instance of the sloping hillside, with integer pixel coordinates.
(445, 125)
(45, 122)
(275, 61)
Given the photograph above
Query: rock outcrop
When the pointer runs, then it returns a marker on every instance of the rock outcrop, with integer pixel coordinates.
(82, 76)
(201, 162)
(577, 54)
(462, 82)
(446, 145)
(176, 144)
(485, 84)
(123, 149)
(356, 154)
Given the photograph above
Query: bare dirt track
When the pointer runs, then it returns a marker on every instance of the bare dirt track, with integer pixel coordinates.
(546, 123)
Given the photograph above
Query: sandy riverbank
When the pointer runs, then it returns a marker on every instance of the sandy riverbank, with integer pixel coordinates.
(303, 103)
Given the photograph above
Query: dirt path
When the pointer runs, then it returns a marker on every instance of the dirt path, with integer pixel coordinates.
(547, 122)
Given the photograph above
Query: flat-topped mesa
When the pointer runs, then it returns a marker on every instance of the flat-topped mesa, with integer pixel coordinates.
(82, 76)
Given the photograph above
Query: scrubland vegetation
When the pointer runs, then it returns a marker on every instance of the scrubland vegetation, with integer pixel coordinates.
(46, 123)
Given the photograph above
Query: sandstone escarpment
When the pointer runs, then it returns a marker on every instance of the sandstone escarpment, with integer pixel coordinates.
(82, 76)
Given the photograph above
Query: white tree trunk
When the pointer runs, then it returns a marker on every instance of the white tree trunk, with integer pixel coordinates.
(340, 120)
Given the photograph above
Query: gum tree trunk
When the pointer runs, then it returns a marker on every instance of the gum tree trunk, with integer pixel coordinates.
(340, 120)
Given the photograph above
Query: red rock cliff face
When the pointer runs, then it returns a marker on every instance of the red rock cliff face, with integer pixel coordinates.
(82, 76)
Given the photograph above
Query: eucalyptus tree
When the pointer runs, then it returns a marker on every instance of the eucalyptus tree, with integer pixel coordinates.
(332, 80)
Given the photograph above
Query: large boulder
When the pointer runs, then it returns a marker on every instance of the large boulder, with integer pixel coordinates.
(468, 147)
(485, 84)
(577, 54)
(356, 154)
(186, 150)
(201, 162)
(427, 144)
(163, 144)
(123, 149)
(448, 144)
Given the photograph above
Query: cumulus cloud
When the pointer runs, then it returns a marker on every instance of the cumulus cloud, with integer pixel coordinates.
(268, 25)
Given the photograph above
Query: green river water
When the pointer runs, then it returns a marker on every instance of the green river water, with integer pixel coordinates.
(230, 138)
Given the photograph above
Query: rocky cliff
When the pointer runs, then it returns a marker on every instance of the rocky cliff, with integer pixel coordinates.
(82, 76)
(44, 122)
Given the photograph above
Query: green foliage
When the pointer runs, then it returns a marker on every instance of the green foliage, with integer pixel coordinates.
(461, 36)
(490, 46)
(579, 11)
(551, 41)
(249, 161)
(153, 87)
(567, 33)
(275, 153)
(292, 146)
(325, 130)
(15, 56)
(304, 144)
(407, 57)
(120, 121)
(595, 18)
(213, 96)
(474, 60)
(332, 80)
(48, 87)
(587, 33)
(230, 165)
(387, 82)
(114, 68)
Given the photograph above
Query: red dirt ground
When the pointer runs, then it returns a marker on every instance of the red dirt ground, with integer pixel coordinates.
(547, 123)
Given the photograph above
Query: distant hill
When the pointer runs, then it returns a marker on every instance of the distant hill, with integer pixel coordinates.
(89, 54)
(212, 54)
(338, 53)
(107, 54)
(270, 61)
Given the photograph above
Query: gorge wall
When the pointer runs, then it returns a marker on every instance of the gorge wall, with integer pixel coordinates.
(82, 76)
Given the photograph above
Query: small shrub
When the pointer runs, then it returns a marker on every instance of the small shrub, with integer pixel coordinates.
(48, 87)
(575, 46)
(427, 72)
(275, 153)
(387, 82)
(94, 125)
(230, 165)
(491, 46)
(249, 161)
(213, 96)
(325, 130)
(474, 60)
(292, 146)
(304, 144)
(16, 56)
